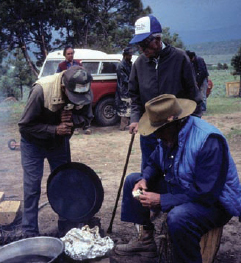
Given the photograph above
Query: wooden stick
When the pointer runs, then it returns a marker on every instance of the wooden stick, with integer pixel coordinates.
(109, 230)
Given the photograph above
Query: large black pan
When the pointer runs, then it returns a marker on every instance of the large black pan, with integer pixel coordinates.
(75, 191)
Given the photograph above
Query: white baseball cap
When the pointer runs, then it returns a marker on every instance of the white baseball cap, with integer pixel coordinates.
(144, 27)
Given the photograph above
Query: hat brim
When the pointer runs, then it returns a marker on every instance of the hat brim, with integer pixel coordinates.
(79, 98)
(145, 128)
(139, 38)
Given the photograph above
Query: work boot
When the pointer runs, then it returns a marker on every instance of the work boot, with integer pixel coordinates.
(144, 245)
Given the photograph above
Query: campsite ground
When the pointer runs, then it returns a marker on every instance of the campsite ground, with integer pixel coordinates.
(105, 152)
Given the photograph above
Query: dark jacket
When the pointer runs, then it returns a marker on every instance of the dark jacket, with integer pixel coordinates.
(223, 186)
(172, 75)
(38, 124)
(200, 69)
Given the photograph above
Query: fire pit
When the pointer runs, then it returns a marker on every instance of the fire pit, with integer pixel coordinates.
(35, 249)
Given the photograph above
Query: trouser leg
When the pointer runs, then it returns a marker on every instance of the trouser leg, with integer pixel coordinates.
(131, 209)
(32, 163)
(148, 145)
(56, 157)
(203, 90)
(59, 155)
(187, 223)
(124, 123)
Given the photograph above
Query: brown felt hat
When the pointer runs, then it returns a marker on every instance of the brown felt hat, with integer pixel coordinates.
(162, 110)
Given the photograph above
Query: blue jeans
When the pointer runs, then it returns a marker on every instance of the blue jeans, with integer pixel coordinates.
(187, 223)
(33, 164)
(203, 91)
(148, 145)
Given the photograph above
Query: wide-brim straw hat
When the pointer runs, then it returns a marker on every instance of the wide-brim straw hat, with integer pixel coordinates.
(162, 110)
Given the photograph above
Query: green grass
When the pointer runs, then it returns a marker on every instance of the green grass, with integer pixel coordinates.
(10, 112)
(218, 102)
(223, 105)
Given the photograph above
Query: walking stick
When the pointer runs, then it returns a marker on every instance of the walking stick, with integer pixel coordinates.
(109, 230)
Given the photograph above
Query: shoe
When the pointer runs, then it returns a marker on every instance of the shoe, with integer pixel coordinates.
(77, 131)
(87, 131)
(144, 245)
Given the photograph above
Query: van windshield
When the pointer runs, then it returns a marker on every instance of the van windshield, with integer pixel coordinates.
(50, 67)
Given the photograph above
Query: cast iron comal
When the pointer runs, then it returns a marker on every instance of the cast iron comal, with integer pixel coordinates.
(75, 191)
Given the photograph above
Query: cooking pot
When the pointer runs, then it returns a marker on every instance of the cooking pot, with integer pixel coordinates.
(43, 249)
(75, 191)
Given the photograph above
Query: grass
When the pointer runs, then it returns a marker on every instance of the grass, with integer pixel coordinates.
(222, 105)
(218, 102)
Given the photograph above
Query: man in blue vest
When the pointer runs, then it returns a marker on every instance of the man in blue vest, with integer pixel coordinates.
(190, 175)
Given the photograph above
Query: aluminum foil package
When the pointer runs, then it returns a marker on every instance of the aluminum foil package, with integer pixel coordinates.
(86, 243)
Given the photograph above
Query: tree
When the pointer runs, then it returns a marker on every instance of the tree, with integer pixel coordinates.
(24, 24)
(17, 75)
(236, 63)
(37, 27)
(219, 66)
(173, 40)
(105, 25)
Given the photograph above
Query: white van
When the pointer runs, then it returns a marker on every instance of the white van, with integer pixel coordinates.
(102, 67)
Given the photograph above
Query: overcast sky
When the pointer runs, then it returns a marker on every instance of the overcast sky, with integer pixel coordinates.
(196, 14)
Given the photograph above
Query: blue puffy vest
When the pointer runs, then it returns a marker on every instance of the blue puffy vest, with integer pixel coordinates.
(191, 139)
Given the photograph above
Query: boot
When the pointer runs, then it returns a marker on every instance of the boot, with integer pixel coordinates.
(144, 245)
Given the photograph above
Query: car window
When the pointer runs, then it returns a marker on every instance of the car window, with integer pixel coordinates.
(50, 67)
(91, 67)
(108, 67)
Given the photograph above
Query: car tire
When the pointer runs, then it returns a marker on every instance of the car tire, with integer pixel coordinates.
(105, 112)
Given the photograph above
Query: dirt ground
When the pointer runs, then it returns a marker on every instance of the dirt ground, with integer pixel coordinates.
(105, 152)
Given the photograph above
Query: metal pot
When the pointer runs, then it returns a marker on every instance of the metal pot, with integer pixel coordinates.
(75, 192)
(49, 248)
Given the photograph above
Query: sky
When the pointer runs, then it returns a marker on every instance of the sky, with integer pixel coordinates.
(194, 15)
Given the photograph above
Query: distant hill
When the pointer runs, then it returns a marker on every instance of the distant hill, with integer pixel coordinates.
(216, 52)
(211, 35)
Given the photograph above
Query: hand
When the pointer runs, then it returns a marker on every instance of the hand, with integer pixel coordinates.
(66, 116)
(150, 199)
(64, 128)
(133, 127)
(140, 185)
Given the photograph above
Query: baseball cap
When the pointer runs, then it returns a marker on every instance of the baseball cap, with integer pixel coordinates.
(144, 27)
(77, 85)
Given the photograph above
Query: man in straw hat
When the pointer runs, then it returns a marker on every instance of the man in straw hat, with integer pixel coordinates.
(160, 69)
(191, 175)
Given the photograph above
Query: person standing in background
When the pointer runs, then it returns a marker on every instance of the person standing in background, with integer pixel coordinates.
(202, 74)
(69, 60)
(122, 98)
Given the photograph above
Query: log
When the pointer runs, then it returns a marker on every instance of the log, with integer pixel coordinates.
(8, 211)
(2, 194)
(209, 244)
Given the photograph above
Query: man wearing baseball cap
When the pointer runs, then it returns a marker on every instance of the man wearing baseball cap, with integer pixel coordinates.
(160, 69)
(191, 176)
(56, 105)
